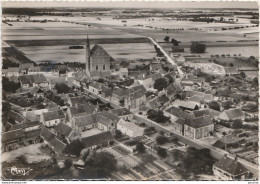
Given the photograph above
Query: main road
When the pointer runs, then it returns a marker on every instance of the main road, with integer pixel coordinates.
(167, 56)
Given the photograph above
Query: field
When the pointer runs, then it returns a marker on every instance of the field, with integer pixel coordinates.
(49, 41)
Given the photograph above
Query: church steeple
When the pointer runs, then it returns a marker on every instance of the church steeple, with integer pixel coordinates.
(88, 57)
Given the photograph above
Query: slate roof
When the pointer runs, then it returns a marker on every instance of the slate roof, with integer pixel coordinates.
(48, 136)
(63, 129)
(37, 79)
(87, 108)
(188, 104)
(202, 112)
(174, 111)
(231, 70)
(173, 89)
(16, 116)
(25, 125)
(12, 135)
(200, 122)
(96, 47)
(97, 139)
(231, 166)
(52, 115)
(85, 119)
(33, 133)
(180, 121)
(156, 76)
(109, 115)
(233, 113)
(121, 111)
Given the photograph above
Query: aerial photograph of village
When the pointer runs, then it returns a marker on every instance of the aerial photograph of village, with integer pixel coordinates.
(130, 91)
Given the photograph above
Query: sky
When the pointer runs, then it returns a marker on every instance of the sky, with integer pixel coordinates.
(136, 4)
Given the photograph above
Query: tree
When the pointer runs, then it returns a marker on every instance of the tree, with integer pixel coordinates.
(197, 47)
(238, 123)
(231, 64)
(6, 107)
(167, 38)
(160, 84)
(214, 105)
(99, 165)
(255, 81)
(161, 152)
(175, 42)
(74, 148)
(140, 147)
(118, 134)
(161, 139)
(67, 163)
(10, 86)
(62, 88)
(243, 75)
(227, 104)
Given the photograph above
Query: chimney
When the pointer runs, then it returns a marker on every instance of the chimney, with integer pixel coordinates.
(225, 156)
(236, 159)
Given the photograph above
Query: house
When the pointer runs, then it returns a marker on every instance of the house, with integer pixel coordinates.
(21, 135)
(232, 114)
(24, 67)
(201, 113)
(123, 73)
(172, 90)
(177, 49)
(57, 80)
(66, 133)
(154, 66)
(159, 102)
(80, 78)
(100, 139)
(87, 108)
(51, 140)
(136, 99)
(231, 71)
(33, 80)
(123, 113)
(129, 128)
(84, 122)
(230, 169)
(12, 139)
(11, 71)
(178, 126)
(226, 141)
(77, 100)
(34, 70)
(145, 80)
(16, 117)
(105, 123)
(52, 118)
(95, 87)
(174, 113)
(199, 127)
(188, 105)
(36, 91)
(132, 97)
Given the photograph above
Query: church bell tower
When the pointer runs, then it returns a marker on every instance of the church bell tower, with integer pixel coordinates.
(88, 58)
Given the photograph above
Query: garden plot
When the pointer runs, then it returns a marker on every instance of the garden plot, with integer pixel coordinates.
(129, 161)
(33, 153)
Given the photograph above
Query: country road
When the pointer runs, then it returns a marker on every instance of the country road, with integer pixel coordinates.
(167, 56)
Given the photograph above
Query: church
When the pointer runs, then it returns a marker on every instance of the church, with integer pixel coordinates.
(97, 62)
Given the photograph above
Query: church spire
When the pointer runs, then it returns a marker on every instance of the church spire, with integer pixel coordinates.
(88, 57)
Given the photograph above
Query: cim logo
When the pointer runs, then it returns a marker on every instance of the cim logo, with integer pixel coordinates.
(19, 171)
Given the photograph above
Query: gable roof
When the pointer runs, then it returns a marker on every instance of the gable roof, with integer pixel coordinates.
(96, 48)
(233, 113)
(174, 111)
(78, 100)
(188, 104)
(121, 111)
(12, 135)
(95, 84)
(47, 134)
(25, 125)
(87, 108)
(63, 129)
(231, 166)
(199, 122)
(173, 89)
(196, 98)
(16, 116)
(156, 76)
(202, 112)
(109, 115)
(85, 119)
(97, 139)
(47, 116)
(37, 79)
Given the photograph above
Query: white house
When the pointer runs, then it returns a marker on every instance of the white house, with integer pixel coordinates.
(129, 128)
